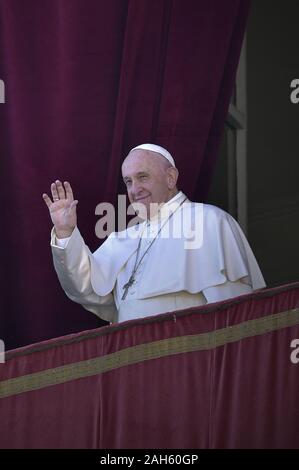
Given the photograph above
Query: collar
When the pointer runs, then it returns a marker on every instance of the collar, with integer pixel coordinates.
(166, 209)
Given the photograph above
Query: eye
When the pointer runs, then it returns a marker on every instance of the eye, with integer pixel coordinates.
(128, 182)
(143, 177)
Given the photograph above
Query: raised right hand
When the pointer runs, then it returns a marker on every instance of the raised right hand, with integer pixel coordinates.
(62, 209)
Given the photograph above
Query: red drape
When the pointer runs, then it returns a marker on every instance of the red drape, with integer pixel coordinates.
(217, 376)
(84, 83)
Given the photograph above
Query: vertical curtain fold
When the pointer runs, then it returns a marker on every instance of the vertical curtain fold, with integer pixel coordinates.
(222, 103)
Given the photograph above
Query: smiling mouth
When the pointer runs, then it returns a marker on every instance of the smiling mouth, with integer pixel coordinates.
(141, 198)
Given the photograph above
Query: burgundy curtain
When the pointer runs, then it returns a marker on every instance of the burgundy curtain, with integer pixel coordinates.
(224, 375)
(84, 82)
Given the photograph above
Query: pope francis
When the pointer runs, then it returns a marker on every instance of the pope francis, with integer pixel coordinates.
(180, 254)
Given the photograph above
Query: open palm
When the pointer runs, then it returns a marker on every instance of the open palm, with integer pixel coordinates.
(62, 208)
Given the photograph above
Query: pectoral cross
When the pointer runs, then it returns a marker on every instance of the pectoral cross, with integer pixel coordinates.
(127, 286)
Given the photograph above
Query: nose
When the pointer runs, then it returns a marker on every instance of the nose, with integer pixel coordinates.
(135, 189)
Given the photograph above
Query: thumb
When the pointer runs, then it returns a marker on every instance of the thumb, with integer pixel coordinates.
(73, 204)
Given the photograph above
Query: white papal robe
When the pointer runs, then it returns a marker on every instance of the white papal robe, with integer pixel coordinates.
(200, 255)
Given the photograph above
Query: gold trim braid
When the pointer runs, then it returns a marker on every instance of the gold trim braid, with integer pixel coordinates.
(148, 351)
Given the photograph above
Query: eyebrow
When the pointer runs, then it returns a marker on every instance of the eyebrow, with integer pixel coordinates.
(137, 174)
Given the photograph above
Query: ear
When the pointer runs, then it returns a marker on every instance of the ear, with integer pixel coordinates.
(172, 177)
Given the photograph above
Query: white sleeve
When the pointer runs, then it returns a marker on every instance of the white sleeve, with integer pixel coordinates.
(72, 265)
(61, 242)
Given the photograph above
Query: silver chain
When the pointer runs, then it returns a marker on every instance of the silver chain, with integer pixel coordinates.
(137, 263)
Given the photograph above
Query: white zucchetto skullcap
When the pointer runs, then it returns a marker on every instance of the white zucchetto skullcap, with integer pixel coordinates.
(157, 149)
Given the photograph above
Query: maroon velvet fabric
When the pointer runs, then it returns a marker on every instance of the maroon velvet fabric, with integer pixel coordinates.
(243, 394)
(84, 83)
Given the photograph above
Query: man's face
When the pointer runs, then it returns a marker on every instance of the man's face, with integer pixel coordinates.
(146, 178)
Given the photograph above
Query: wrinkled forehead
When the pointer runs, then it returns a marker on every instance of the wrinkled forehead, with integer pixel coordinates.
(142, 160)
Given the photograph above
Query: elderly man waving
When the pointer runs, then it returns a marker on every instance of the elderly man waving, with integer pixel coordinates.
(181, 254)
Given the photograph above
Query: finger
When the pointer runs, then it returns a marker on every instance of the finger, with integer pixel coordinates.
(68, 191)
(60, 189)
(47, 200)
(54, 192)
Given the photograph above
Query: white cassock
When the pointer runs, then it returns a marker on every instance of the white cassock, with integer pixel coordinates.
(200, 255)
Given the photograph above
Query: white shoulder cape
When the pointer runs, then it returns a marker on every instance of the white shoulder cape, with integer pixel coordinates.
(223, 255)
